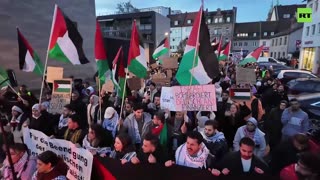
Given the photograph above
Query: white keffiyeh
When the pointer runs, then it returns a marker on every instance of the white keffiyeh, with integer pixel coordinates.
(63, 122)
(184, 159)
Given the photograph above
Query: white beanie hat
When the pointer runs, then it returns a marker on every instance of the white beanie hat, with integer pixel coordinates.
(36, 107)
(16, 108)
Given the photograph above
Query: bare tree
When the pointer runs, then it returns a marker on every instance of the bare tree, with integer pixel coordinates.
(126, 7)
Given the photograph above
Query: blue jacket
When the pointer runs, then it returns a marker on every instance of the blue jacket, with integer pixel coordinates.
(294, 122)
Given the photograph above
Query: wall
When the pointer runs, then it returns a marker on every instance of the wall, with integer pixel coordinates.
(293, 37)
(250, 47)
(34, 19)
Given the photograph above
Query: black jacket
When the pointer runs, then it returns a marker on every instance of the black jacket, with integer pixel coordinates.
(218, 149)
(159, 154)
(42, 124)
(233, 162)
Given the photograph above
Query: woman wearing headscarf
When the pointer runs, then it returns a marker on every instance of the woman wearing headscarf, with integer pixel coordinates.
(111, 120)
(39, 122)
(92, 109)
(252, 131)
(23, 163)
(18, 119)
(50, 167)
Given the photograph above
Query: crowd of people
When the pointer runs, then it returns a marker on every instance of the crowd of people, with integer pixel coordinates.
(265, 135)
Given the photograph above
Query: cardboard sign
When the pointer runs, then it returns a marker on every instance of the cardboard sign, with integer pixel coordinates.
(162, 82)
(108, 86)
(170, 63)
(135, 83)
(54, 73)
(245, 75)
(79, 160)
(61, 95)
(189, 98)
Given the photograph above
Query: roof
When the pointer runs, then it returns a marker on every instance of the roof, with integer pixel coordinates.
(260, 27)
(289, 31)
(184, 17)
(287, 9)
(134, 15)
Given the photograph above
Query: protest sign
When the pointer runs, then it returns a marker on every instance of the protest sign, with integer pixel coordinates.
(61, 95)
(189, 98)
(245, 75)
(162, 82)
(170, 63)
(79, 160)
(135, 83)
(54, 73)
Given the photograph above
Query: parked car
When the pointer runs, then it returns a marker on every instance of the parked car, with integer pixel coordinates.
(269, 59)
(310, 103)
(275, 66)
(303, 85)
(287, 75)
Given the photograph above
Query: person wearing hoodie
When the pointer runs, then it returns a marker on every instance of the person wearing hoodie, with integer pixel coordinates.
(79, 107)
(137, 124)
(92, 109)
(214, 140)
(252, 131)
(50, 167)
(111, 121)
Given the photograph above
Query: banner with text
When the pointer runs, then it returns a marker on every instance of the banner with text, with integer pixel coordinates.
(189, 98)
(79, 160)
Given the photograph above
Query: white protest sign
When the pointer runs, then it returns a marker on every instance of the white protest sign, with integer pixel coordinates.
(189, 98)
(79, 160)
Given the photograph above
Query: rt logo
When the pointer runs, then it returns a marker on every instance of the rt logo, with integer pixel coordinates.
(304, 15)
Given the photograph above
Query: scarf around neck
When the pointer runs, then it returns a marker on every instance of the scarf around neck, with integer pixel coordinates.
(19, 167)
(219, 136)
(184, 159)
(253, 135)
(89, 146)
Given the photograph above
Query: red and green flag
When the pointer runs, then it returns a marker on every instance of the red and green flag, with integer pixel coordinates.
(29, 60)
(162, 49)
(4, 79)
(199, 64)
(101, 56)
(62, 86)
(225, 52)
(137, 61)
(252, 57)
(65, 40)
(118, 73)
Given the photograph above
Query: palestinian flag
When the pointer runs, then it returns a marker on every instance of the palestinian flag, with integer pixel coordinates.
(118, 73)
(240, 94)
(137, 61)
(4, 79)
(219, 45)
(252, 57)
(162, 49)
(199, 64)
(65, 40)
(62, 86)
(101, 56)
(225, 53)
(29, 60)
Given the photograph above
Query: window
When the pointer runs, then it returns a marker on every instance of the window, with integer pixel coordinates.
(240, 43)
(228, 19)
(254, 34)
(311, 5)
(254, 43)
(176, 23)
(285, 40)
(278, 55)
(276, 44)
(227, 39)
(265, 34)
(189, 21)
(209, 21)
(215, 20)
(280, 41)
(235, 44)
(264, 43)
(283, 54)
(245, 44)
(238, 35)
(216, 31)
(316, 6)
(227, 30)
(313, 29)
(307, 31)
(286, 16)
(271, 54)
(272, 33)
(319, 28)
(272, 43)
(220, 20)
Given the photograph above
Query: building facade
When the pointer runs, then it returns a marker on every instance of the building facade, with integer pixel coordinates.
(220, 24)
(310, 45)
(283, 12)
(250, 35)
(285, 44)
(153, 27)
(164, 11)
(34, 18)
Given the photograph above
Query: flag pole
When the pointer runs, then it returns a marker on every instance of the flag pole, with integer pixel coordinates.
(46, 62)
(197, 45)
(100, 99)
(124, 92)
